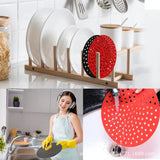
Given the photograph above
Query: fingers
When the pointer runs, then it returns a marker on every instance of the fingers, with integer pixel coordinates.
(43, 144)
(50, 139)
(60, 142)
(138, 91)
(157, 90)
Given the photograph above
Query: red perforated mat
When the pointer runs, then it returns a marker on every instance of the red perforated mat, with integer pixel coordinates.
(106, 47)
(136, 120)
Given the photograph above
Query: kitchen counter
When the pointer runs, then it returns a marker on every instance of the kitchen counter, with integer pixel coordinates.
(145, 76)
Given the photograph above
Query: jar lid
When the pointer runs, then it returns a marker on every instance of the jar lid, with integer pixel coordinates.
(138, 29)
(127, 28)
(4, 21)
(111, 26)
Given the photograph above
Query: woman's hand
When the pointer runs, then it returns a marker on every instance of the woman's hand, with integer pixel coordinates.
(67, 144)
(140, 90)
(47, 141)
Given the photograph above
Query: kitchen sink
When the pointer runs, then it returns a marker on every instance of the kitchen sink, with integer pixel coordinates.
(25, 153)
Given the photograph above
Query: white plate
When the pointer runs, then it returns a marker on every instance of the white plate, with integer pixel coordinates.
(62, 45)
(52, 29)
(33, 34)
(77, 44)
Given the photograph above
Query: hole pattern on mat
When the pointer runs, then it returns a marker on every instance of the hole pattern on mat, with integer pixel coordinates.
(133, 124)
(85, 56)
(106, 47)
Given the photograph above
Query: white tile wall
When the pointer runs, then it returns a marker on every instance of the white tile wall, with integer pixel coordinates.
(22, 10)
(2, 108)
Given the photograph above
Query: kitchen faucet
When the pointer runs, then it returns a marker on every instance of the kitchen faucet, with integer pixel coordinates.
(115, 94)
(11, 149)
(3, 129)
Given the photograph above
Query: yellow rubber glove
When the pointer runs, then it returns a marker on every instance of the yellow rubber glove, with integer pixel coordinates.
(47, 141)
(67, 144)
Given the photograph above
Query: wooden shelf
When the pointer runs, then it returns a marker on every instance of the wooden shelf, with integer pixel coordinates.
(11, 108)
(114, 76)
(124, 50)
(15, 90)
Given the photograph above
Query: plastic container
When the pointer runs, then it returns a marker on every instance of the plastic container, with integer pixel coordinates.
(138, 36)
(4, 47)
(114, 32)
(127, 37)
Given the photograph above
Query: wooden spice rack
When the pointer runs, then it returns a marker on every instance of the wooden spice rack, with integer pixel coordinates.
(111, 82)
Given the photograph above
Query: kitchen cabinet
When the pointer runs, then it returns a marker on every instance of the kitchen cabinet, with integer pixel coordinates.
(37, 100)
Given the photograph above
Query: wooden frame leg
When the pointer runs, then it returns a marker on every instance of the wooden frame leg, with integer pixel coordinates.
(126, 75)
(113, 75)
(54, 58)
(98, 65)
(82, 69)
(128, 61)
(30, 62)
(68, 62)
(42, 64)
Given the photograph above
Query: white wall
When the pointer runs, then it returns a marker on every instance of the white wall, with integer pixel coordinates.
(152, 4)
(26, 120)
(152, 48)
(2, 108)
(21, 11)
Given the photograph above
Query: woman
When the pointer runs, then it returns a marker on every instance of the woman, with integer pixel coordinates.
(65, 127)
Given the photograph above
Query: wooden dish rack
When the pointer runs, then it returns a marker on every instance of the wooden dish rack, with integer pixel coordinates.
(111, 82)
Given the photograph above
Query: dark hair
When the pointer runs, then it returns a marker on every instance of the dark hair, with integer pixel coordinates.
(72, 96)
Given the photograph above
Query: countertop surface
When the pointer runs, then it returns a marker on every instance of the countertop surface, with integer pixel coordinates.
(145, 76)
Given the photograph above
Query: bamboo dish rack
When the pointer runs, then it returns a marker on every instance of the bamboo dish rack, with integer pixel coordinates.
(114, 77)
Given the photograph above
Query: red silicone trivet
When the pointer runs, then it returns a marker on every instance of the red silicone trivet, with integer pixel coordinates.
(136, 120)
(106, 47)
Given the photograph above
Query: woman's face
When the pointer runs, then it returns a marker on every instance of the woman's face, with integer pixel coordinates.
(64, 103)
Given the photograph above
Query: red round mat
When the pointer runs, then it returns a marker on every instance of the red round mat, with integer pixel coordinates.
(106, 47)
(136, 120)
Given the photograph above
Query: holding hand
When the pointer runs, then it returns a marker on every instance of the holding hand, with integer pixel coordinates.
(47, 141)
(140, 90)
(67, 144)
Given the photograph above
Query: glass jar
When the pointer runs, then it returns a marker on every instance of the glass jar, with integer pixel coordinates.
(4, 47)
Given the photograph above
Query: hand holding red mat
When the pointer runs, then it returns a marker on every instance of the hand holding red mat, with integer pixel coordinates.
(136, 120)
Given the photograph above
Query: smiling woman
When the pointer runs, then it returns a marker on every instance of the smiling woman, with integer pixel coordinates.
(65, 128)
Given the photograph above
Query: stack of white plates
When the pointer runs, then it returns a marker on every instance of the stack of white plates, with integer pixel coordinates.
(48, 28)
